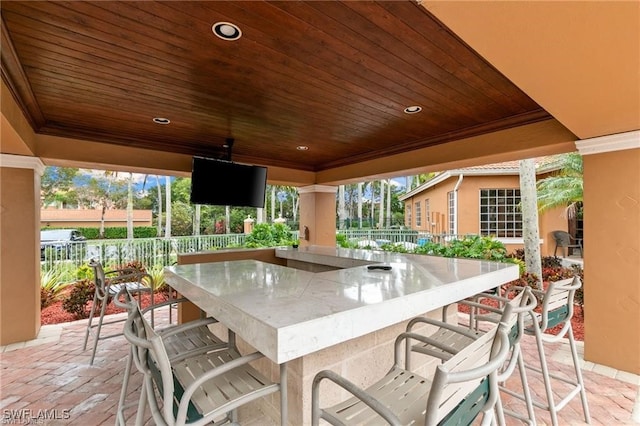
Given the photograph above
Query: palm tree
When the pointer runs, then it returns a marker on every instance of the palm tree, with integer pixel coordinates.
(530, 229)
(167, 185)
(130, 207)
(565, 188)
(342, 212)
(360, 185)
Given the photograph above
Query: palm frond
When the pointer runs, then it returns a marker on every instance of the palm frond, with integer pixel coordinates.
(564, 189)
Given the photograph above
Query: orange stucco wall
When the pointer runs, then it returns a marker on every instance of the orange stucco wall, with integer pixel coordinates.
(612, 294)
(91, 218)
(469, 208)
(318, 216)
(19, 273)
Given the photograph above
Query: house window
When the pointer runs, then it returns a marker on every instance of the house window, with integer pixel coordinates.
(427, 215)
(418, 215)
(452, 212)
(500, 215)
(408, 215)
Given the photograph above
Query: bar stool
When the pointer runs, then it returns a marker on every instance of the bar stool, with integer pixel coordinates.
(449, 339)
(195, 389)
(107, 286)
(557, 310)
(461, 389)
(181, 341)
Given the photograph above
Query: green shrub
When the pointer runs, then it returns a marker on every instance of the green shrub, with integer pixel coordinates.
(118, 232)
(51, 287)
(551, 262)
(342, 241)
(269, 235)
(84, 272)
(472, 247)
(394, 248)
(157, 275)
(76, 302)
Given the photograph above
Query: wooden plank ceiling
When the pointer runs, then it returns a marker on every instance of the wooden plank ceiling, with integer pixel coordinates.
(332, 76)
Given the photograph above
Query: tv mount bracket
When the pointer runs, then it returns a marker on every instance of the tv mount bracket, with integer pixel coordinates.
(228, 143)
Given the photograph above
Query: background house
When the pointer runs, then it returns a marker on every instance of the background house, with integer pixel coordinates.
(482, 200)
(72, 218)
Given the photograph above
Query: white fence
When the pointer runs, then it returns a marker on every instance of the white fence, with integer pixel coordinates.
(164, 251)
(394, 236)
(149, 251)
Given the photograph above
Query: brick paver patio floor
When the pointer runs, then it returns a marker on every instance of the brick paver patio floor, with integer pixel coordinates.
(51, 376)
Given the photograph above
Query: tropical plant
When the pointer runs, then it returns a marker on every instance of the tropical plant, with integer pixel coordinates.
(565, 189)
(472, 247)
(157, 275)
(51, 287)
(342, 240)
(269, 235)
(76, 302)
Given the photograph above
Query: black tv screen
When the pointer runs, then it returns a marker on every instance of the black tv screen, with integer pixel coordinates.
(224, 183)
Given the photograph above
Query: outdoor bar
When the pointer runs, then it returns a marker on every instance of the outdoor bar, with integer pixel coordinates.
(326, 308)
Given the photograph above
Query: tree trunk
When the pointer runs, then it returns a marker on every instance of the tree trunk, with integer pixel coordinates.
(227, 219)
(196, 220)
(104, 210)
(159, 224)
(167, 228)
(295, 199)
(273, 203)
(530, 232)
(381, 212)
(341, 209)
(360, 205)
(388, 203)
(130, 207)
(372, 206)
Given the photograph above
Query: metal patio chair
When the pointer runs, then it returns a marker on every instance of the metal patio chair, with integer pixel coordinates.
(197, 389)
(462, 387)
(565, 240)
(107, 286)
(448, 339)
(556, 310)
(181, 341)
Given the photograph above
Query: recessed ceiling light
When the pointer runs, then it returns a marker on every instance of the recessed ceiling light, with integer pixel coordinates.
(160, 120)
(226, 31)
(412, 109)
(302, 148)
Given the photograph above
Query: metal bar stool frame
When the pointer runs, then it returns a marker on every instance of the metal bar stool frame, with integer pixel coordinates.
(107, 286)
(448, 339)
(191, 388)
(461, 388)
(556, 310)
(181, 341)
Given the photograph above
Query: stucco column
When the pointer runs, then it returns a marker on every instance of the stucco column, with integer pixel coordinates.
(19, 247)
(612, 250)
(318, 215)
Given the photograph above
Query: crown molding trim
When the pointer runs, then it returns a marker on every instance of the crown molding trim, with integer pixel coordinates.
(318, 188)
(22, 162)
(609, 143)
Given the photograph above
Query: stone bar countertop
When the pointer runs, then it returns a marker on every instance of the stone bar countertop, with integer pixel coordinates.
(286, 313)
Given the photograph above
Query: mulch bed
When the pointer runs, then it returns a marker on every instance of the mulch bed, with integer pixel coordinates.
(55, 314)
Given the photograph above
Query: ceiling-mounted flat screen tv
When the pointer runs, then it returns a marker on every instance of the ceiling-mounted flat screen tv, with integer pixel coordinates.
(224, 183)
